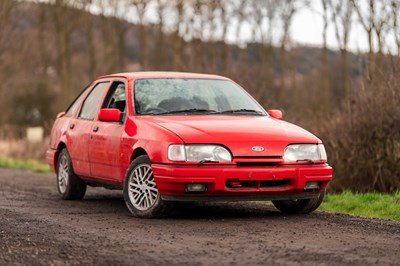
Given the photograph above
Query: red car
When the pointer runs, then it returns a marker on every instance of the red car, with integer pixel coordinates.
(165, 137)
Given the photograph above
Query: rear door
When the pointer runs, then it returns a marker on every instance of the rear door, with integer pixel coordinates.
(105, 137)
(80, 128)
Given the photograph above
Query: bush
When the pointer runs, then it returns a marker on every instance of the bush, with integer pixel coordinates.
(363, 139)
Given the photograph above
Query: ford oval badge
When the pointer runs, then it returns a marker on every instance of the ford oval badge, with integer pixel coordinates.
(257, 148)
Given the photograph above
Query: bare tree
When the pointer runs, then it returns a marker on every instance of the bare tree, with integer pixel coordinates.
(6, 9)
(342, 12)
(141, 8)
(113, 28)
(262, 17)
(201, 27)
(382, 24)
(395, 8)
(105, 43)
(374, 17)
(326, 16)
(393, 31)
(224, 6)
(160, 48)
(196, 23)
(240, 13)
(210, 17)
(88, 26)
(286, 12)
(119, 9)
(177, 40)
(63, 27)
(241, 16)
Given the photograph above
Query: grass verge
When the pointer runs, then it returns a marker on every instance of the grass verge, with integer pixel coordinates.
(24, 165)
(373, 205)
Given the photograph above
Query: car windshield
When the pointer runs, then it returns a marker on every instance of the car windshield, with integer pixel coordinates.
(177, 96)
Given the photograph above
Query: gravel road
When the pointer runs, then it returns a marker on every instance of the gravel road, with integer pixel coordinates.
(38, 228)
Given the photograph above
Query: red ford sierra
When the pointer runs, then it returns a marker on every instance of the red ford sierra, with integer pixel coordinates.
(164, 137)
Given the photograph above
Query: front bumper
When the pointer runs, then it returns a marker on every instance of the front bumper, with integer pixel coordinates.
(241, 183)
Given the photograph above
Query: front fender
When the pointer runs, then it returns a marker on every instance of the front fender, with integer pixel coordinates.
(152, 138)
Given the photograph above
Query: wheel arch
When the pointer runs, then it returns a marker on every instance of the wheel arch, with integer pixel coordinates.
(139, 151)
(60, 146)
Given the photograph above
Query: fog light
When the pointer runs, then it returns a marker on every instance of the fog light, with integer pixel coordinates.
(196, 188)
(312, 185)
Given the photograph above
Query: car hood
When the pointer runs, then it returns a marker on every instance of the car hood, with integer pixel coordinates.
(238, 133)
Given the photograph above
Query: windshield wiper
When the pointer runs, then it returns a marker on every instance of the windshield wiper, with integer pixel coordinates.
(242, 111)
(192, 110)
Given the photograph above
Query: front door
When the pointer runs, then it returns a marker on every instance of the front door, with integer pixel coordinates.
(105, 138)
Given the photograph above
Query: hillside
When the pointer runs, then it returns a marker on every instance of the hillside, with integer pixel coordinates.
(58, 50)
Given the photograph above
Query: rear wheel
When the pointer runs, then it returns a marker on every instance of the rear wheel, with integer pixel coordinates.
(140, 191)
(69, 185)
(299, 206)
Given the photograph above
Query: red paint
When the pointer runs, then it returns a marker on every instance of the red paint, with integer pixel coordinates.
(101, 150)
(110, 115)
(277, 114)
(60, 114)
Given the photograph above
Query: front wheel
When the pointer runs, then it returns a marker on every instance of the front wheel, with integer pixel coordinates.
(70, 186)
(299, 206)
(140, 191)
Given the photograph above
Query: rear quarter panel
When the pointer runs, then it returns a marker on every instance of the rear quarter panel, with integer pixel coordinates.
(58, 132)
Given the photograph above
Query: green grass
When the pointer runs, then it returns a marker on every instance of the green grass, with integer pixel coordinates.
(373, 205)
(24, 165)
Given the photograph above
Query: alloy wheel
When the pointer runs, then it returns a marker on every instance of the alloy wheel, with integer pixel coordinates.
(142, 192)
(63, 171)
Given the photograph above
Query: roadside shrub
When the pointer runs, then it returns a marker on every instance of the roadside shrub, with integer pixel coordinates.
(363, 139)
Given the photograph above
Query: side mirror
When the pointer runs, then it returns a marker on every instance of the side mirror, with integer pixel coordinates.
(110, 115)
(60, 115)
(277, 114)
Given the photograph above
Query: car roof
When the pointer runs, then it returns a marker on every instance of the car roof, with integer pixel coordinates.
(156, 74)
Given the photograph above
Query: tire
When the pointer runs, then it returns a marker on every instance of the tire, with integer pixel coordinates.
(70, 186)
(299, 206)
(140, 191)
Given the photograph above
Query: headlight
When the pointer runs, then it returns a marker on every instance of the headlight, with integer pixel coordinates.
(198, 153)
(304, 152)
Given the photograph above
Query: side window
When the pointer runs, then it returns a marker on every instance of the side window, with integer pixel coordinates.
(75, 104)
(92, 102)
(116, 97)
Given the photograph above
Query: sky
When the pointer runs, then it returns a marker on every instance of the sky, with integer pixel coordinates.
(306, 28)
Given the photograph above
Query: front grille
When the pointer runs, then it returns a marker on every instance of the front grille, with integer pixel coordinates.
(238, 184)
(249, 164)
(258, 157)
(258, 161)
(274, 183)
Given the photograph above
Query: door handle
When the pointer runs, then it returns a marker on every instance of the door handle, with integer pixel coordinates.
(72, 126)
(95, 128)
